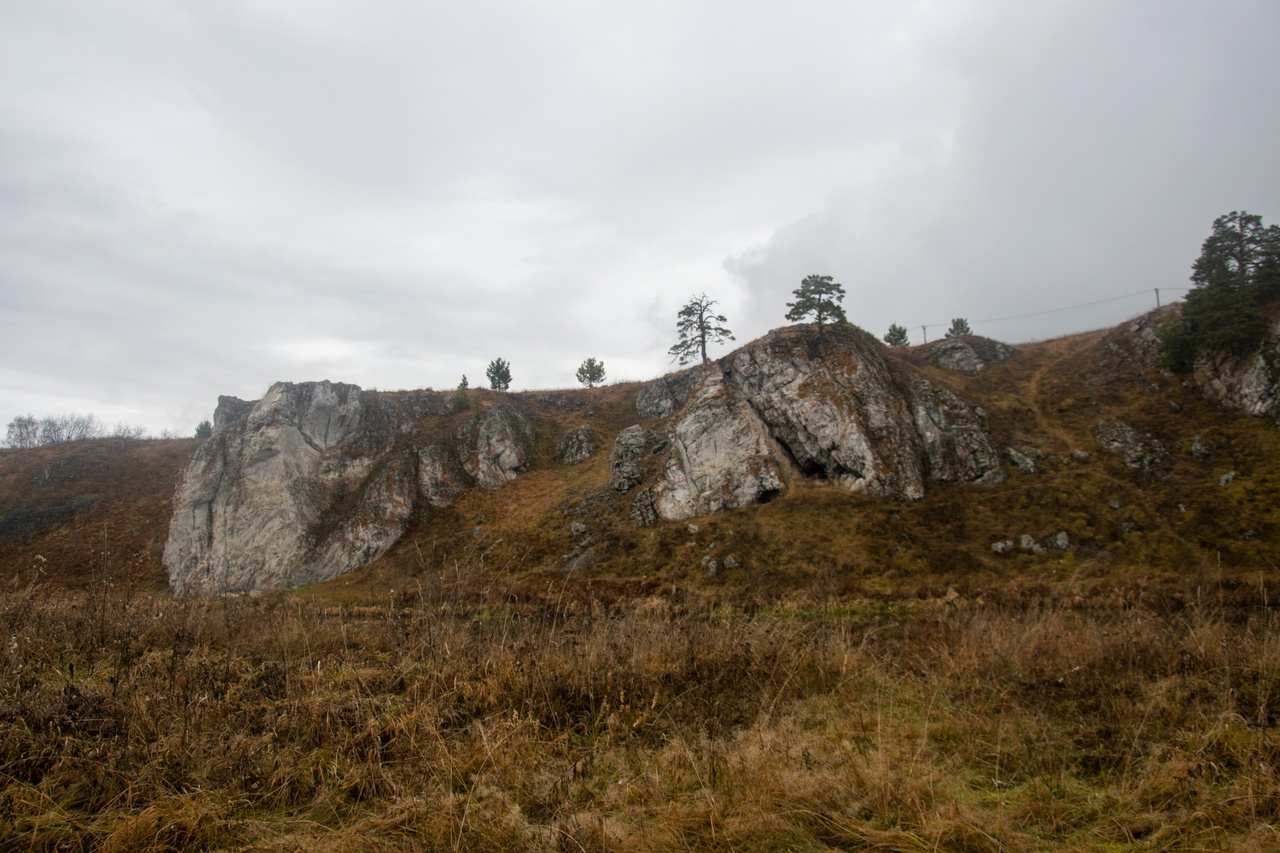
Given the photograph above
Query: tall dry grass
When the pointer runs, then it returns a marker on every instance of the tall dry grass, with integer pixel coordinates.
(456, 719)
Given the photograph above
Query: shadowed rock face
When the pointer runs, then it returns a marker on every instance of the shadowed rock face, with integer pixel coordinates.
(779, 408)
(1245, 383)
(1249, 384)
(317, 479)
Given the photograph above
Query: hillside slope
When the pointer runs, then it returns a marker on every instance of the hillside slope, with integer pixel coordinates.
(1202, 501)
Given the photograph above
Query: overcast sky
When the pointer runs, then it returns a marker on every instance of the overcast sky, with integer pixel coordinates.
(201, 197)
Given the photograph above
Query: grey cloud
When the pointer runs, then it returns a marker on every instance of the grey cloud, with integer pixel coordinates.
(202, 198)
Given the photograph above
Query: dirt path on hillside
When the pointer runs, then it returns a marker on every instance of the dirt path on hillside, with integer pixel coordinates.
(1047, 425)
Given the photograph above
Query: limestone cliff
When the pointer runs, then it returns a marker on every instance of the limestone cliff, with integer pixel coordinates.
(316, 479)
(780, 409)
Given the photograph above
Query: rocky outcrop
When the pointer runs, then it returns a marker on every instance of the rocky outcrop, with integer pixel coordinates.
(578, 446)
(248, 508)
(663, 396)
(721, 456)
(968, 354)
(627, 463)
(1243, 383)
(778, 409)
(317, 479)
(495, 446)
(1138, 452)
(956, 445)
(1248, 384)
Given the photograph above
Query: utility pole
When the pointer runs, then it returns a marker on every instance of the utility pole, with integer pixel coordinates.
(1157, 290)
(924, 334)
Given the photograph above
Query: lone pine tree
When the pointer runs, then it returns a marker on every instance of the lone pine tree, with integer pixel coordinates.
(697, 325)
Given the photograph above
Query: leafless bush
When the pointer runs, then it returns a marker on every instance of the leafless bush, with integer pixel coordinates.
(28, 431)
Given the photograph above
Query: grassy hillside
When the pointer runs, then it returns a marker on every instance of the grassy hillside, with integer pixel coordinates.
(103, 506)
(862, 675)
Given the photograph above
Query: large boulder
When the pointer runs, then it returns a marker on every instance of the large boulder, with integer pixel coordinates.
(721, 456)
(495, 446)
(967, 354)
(844, 416)
(785, 407)
(254, 509)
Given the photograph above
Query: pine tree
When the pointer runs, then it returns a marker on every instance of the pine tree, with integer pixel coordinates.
(591, 372)
(697, 325)
(896, 336)
(1237, 272)
(819, 297)
(499, 373)
(959, 326)
(461, 400)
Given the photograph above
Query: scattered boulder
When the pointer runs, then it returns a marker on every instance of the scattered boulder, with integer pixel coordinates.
(1141, 454)
(1023, 463)
(578, 446)
(1059, 541)
(1227, 479)
(495, 446)
(967, 354)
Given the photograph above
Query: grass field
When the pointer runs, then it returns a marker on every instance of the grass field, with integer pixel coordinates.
(863, 675)
(454, 719)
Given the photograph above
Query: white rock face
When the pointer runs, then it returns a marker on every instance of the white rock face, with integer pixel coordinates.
(495, 446)
(250, 505)
(720, 456)
(311, 482)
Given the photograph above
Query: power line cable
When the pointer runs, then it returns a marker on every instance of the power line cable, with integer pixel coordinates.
(1057, 310)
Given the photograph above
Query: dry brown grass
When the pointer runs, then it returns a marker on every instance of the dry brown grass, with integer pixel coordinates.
(453, 719)
(867, 675)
